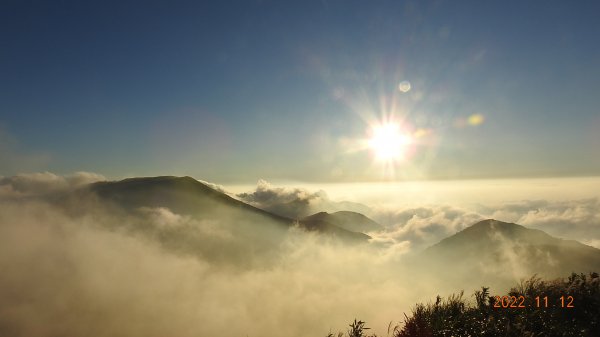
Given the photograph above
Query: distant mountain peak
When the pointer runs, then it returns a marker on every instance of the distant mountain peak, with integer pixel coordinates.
(497, 244)
(506, 229)
(493, 224)
(488, 225)
(352, 221)
(188, 196)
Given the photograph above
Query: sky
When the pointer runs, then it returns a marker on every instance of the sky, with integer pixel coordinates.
(236, 91)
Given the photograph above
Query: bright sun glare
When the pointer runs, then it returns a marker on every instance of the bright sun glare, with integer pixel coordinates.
(388, 142)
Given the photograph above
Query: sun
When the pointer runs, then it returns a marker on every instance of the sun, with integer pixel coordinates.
(388, 142)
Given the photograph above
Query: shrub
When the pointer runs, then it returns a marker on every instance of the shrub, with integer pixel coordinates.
(455, 316)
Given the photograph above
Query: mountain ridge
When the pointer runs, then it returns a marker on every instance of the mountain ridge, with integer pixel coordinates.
(349, 220)
(186, 195)
(494, 246)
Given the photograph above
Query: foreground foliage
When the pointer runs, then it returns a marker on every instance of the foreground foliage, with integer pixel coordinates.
(538, 308)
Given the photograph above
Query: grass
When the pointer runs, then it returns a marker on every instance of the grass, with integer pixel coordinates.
(563, 307)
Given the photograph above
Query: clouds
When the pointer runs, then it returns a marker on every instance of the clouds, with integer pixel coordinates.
(63, 276)
(422, 226)
(214, 186)
(165, 222)
(295, 202)
(155, 272)
(572, 219)
(427, 224)
(28, 184)
(291, 202)
(113, 275)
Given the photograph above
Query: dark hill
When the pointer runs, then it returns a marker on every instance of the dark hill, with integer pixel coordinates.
(351, 221)
(492, 247)
(185, 195)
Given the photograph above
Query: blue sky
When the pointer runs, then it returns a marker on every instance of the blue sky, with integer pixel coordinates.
(236, 91)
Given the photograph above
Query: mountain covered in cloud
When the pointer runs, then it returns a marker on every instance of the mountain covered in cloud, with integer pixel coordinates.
(182, 195)
(296, 203)
(187, 196)
(487, 247)
(169, 252)
(505, 251)
(352, 221)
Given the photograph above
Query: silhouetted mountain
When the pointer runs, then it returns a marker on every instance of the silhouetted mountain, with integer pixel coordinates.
(351, 221)
(492, 247)
(188, 196)
(182, 195)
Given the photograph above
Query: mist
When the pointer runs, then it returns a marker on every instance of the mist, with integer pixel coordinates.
(76, 277)
(424, 212)
(78, 266)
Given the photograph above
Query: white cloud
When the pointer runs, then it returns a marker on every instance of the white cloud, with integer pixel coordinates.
(296, 202)
(214, 186)
(422, 226)
(571, 219)
(156, 272)
(95, 276)
(27, 184)
(428, 224)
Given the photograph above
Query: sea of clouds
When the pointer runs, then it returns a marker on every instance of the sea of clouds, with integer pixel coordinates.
(95, 272)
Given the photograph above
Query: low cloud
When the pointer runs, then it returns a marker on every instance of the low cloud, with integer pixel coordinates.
(214, 186)
(115, 275)
(291, 202)
(30, 184)
(422, 226)
(570, 219)
(155, 272)
(426, 225)
(296, 202)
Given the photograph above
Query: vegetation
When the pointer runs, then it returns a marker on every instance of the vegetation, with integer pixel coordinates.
(564, 307)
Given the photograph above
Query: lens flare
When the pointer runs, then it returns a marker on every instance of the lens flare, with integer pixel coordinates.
(476, 119)
(404, 86)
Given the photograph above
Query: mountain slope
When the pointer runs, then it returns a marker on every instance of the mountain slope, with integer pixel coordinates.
(492, 247)
(351, 221)
(188, 196)
(183, 195)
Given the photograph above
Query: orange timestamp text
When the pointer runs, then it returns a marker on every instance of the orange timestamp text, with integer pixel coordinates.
(521, 302)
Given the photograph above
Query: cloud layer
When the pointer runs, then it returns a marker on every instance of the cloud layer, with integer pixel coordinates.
(427, 224)
(295, 202)
(103, 273)
(28, 184)
(423, 226)
(97, 275)
(571, 219)
(98, 272)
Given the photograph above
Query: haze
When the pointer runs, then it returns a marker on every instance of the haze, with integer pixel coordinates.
(78, 265)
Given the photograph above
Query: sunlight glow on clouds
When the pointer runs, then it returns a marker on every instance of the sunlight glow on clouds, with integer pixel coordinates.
(423, 213)
(116, 267)
(45, 182)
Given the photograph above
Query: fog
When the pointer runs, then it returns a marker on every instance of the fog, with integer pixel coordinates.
(75, 277)
(99, 272)
(80, 267)
(428, 211)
